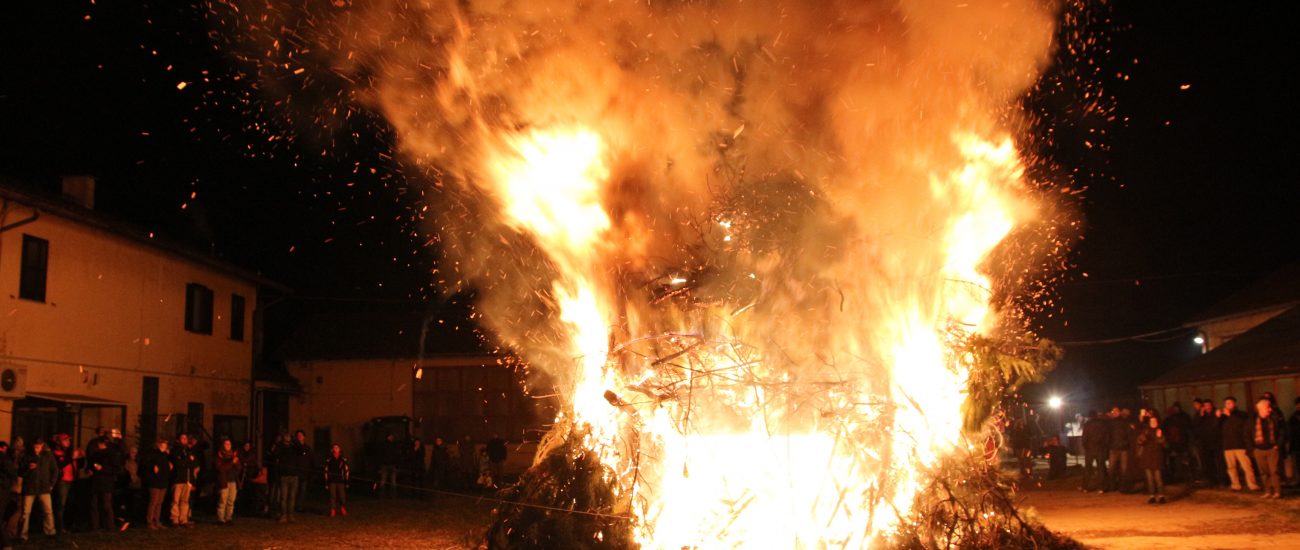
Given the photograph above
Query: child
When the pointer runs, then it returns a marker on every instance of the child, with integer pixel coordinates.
(337, 474)
(1151, 458)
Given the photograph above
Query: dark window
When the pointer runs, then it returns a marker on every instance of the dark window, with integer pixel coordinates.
(194, 420)
(36, 261)
(236, 317)
(198, 308)
(149, 410)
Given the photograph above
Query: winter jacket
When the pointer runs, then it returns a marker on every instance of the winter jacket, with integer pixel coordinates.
(8, 474)
(415, 460)
(39, 472)
(67, 466)
(337, 469)
(1177, 428)
(1237, 431)
(183, 464)
(228, 467)
(1272, 432)
(496, 449)
(1209, 431)
(1293, 429)
(1151, 449)
(296, 460)
(104, 469)
(1120, 434)
(155, 469)
(1095, 440)
(390, 453)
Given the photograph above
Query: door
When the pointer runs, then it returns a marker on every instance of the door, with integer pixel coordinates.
(149, 411)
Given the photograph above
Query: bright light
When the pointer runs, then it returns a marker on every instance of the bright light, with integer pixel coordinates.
(1054, 402)
(1199, 340)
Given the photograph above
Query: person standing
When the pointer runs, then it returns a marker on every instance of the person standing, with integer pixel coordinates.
(8, 479)
(1237, 435)
(1209, 439)
(390, 455)
(1151, 458)
(1119, 449)
(64, 457)
(39, 470)
(185, 471)
(439, 463)
(1268, 432)
(1177, 427)
(295, 463)
(1094, 453)
(104, 465)
(228, 472)
(1293, 430)
(337, 474)
(156, 475)
(468, 460)
(497, 452)
(415, 468)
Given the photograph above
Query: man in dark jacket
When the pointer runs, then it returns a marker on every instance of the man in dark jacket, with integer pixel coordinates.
(295, 465)
(1209, 440)
(156, 474)
(1267, 434)
(228, 473)
(104, 467)
(390, 455)
(39, 471)
(439, 464)
(1177, 429)
(1237, 435)
(185, 471)
(1119, 445)
(8, 476)
(496, 450)
(1095, 449)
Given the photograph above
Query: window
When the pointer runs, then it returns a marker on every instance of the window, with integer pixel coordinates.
(236, 317)
(36, 259)
(198, 308)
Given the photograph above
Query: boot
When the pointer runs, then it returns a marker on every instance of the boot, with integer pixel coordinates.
(343, 510)
(332, 511)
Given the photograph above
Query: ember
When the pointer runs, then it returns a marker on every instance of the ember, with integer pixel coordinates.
(753, 245)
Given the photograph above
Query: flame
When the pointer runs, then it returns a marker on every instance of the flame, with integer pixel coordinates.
(775, 478)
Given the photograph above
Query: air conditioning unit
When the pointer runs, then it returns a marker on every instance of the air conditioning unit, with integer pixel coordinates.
(13, 381)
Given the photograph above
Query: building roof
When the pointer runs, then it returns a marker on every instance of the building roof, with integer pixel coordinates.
(1279, 289)
(45, 204)
(383, 334)
(1270, 349)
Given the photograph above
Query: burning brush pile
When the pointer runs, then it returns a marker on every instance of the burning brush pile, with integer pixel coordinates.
(771, 255)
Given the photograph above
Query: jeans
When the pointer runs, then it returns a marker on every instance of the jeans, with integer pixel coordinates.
(288, 496)
(46, 505)
(61, 489)
(1155, 483)
(154, 516)
(101, 510)
(1118, 463)
(226, 502)
(180, 503)
(338, 495)
(1094, 472)
(388, 478)
(1235, 458)
(1267, 460)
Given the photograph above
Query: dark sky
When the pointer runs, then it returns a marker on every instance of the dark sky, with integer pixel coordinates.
(1190, 192)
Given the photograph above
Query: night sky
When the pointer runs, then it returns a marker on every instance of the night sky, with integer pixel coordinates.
(1187, 160)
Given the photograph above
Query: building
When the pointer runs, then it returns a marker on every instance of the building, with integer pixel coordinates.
(106, 325)
(371, 362)
(1252, 345)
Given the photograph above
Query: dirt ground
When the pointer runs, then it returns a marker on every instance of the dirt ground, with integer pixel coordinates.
(1193, 518)
(448, 523)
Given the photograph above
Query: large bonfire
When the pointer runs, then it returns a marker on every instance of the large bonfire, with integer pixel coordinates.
(766, 252)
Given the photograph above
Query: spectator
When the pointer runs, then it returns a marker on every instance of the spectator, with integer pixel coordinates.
(468, 461)
(496, 450)
(130, 507)
(1151, 458)
(228, 470)
(485, 480)
(1119, 443)
(64, 456)
(39, 471)
(415, 467)
(1019, 438)
(1095, 450)
(295, 462)
(8, 481)
(1177, 427)
(14, 453)
(390, 455)
(1268, 432)
(156, 470)
(337, 474)
(273, 472)
(1293, 429)
(1209, 438)
(104, 463)
(185, 471)
(252, 483)
(1236, 439)
(439, 463)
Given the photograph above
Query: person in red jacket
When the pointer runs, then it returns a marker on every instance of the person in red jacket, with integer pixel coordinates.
(228, 472)
(65, 456)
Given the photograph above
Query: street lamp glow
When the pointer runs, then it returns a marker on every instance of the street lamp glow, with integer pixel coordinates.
(1199, 340)
(1054, 402)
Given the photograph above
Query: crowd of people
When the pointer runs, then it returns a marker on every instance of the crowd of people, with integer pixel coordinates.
(1215, 445)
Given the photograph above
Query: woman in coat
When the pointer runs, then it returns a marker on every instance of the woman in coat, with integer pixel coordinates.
(1151, 458)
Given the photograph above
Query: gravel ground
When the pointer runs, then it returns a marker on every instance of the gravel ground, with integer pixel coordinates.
(447, 523)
